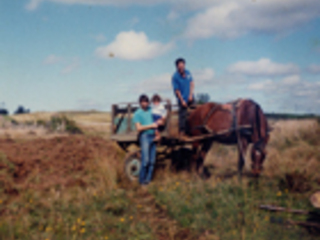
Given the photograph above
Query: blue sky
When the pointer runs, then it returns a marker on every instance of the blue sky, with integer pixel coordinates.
(88, 54)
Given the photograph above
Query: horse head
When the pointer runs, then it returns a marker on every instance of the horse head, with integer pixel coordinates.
(258, 156)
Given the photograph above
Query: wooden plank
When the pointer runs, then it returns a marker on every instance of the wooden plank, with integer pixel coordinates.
(217, 134)
(113, 115)
(282, 209)
(132, 137)
(125, 110)
(129, 119)
(119, 124)
(168, 118)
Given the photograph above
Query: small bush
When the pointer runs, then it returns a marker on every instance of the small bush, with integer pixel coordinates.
(41, 123)
(62, 123)
(71, 127)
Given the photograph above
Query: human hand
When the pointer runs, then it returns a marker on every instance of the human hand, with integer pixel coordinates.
(184, 104)
(160, 122)
(190, 99)
(154, 125)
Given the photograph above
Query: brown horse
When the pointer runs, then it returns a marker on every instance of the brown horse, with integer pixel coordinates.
(241, 122)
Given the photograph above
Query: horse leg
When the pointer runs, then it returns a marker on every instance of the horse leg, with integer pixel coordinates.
(242, 149)
(202, 155)
(195, 155)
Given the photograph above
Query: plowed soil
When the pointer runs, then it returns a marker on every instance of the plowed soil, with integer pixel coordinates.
(43, 163)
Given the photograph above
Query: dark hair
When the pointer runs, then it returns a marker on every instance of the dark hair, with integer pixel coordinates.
(156, 98)
(143, 98)
(179, 60)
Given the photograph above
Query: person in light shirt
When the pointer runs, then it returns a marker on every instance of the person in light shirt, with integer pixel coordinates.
(159, 114)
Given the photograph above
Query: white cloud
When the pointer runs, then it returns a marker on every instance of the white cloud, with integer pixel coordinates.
(162, 83)
(291, 80)
(291, 93)
(187, 4)
(90, 104)
(100, 37)
(233, 18)
(52, 59)
(133, 46)
(71, 67)
(33, 4)
(156, 84)
(173, 15)
(263, 67)
(134, 21)
(224, 18)
(70, 64)
(203, 76)
(268, 84)
(315, 69)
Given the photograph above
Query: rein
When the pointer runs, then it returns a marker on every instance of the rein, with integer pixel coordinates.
(205, 121)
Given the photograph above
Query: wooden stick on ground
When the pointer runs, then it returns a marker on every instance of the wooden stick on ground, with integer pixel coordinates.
(304, 224)
(282, 209)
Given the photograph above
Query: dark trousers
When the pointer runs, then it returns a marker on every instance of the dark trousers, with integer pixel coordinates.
(183, 115)
(182, 119)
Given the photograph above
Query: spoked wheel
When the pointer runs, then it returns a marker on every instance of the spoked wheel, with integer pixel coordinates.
(133, 165)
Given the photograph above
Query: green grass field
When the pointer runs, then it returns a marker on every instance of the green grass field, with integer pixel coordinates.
(177, 205)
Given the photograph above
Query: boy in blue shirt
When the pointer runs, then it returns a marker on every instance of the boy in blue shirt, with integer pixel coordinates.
(183, 87)
(145, 125)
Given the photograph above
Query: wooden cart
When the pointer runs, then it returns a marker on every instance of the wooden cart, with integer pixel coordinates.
(124, 133)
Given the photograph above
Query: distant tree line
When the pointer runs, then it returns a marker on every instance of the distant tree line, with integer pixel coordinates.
(3, 111)
(285, 116)
(20, 110)
(202, 98)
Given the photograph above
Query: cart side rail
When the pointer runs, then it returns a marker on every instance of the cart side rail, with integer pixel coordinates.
(123, 112)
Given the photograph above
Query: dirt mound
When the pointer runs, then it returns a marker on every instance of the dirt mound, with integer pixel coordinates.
(43, 163)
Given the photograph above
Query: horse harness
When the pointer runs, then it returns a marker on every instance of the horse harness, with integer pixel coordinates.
(234, 106)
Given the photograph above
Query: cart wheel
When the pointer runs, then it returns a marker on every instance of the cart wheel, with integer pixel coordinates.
(133, 165)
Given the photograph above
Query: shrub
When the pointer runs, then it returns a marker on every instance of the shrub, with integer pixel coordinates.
(41, 123)
(71, 127)
(62, 123)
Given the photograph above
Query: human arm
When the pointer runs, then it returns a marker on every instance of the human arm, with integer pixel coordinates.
(190, 99)
(163, 114)
(191, 92)
(178, 94)
(177, 91)
(138, 122)
(141, 128)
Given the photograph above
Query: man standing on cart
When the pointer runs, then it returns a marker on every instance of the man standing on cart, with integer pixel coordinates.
(183, 87)
(145, 125)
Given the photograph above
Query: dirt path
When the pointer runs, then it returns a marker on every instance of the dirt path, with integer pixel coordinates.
(157, 217)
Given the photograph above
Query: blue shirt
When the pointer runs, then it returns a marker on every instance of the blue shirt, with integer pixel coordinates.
(144, 117)
(182, 84)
